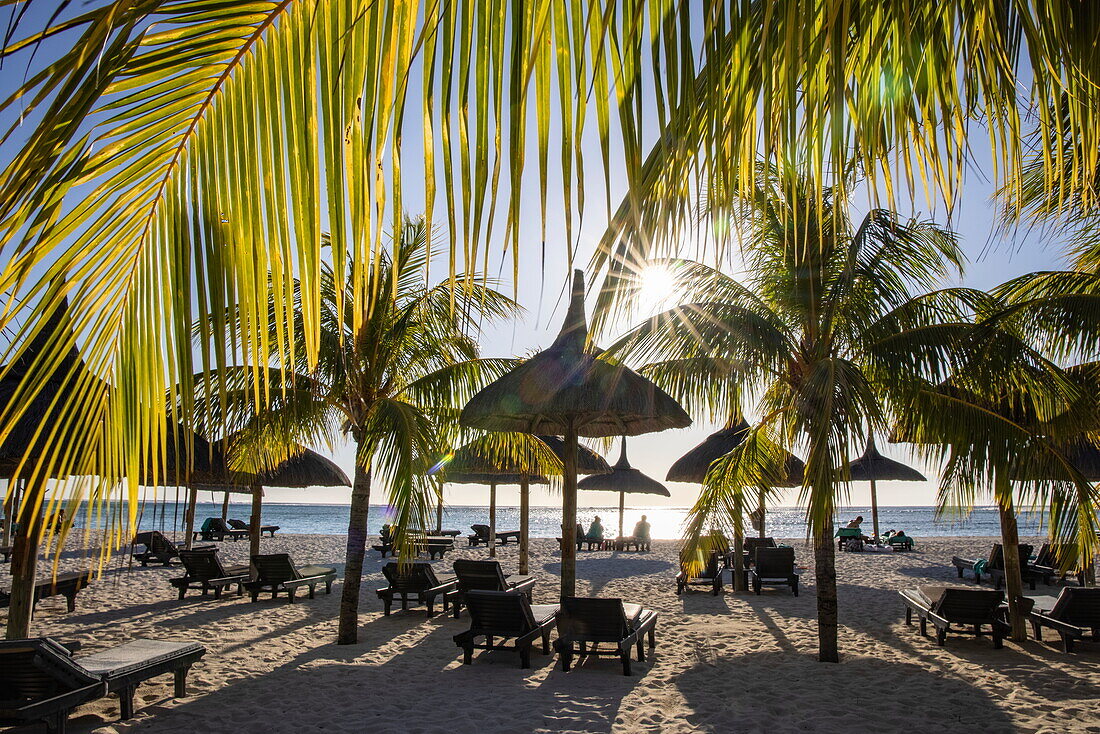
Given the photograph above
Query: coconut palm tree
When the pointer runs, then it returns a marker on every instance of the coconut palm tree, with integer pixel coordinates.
(140, 121)
(828, 334)
(390, 378)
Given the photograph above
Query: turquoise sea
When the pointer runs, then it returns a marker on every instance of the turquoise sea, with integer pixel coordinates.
(783, 522)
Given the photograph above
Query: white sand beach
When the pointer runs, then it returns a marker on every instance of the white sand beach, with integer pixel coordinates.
(733, 663)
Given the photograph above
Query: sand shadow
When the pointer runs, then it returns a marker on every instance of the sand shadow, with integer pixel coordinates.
(773, 691)
(600, 571)
(334, 688)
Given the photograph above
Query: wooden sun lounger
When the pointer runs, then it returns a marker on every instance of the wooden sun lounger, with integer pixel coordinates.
(67, 585)
(1047, 565)
(997, 573)
(473, 575)
(1075, 614)
(993, 564)
(158, 548)
(242, 525)
(626, 542)
(276, 572)
(5, 550)
(774, 567)
(214, 528)
(506, 615)
(583, 622)
(45, 682)
(480, 536)
(204, 571)
(751, 544)
(944, 606)
(711, 576)
(416, 579)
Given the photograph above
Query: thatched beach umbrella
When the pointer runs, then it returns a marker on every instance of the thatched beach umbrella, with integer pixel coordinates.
(306, 468)
(470, 465)
(694, 465)
(874, 467)
(623, 478)
(567, 390)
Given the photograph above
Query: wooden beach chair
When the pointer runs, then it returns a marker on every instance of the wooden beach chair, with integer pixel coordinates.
(849, 539)
(214, 528)
(945, 606)
(480, 536)
(242, 525)
(5, 550)
(997, 572)
(987, 566)
(774, 567)
(203, 570)
(276, 572)
(157, 548)
(1048, 565)
(584, 624)
(751, 544)
(711, 576)
(1075, 614)
(44, 682)
(506, 615)
(417, 580)
(67, 585)
(473, 575)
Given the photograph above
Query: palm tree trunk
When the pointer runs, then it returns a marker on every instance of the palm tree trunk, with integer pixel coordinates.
(1010, 540)
(348, 633)
(825, 574)
(738, 546)
(492, 519)
(254, 520)
(569, 515)
(189, 516)
(24, 560)
(524, 525)
(225, 507)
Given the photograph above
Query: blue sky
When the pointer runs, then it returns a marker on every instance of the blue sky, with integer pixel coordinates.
(994, 258)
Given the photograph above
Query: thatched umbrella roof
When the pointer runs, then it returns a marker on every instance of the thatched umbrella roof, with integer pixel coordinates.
(623, 478)
(70, 375)
(470, 465)
(567, 390)
(873, 466)
(1083, 455)
(693, 466)
(568, 387)
(588, 461)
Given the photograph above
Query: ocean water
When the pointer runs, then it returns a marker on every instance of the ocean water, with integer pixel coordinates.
(667, 522)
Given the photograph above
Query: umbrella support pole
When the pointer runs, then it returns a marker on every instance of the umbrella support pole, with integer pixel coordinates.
(569, 514)
(874, 510)
(492, 519)
(225, 507)
(738, 546)
(254, 520)
(622, 509)
(24, 560)
(439, 514)
(763, 525)
(524, 525)
(189, 516)
(11, 509)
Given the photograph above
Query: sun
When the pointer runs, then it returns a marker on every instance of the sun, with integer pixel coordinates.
(656, 288)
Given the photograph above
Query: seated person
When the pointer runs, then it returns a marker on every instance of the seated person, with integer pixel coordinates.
(595, 531)
(580, 535)
(900, 538)
(641, 533)
(856, 525)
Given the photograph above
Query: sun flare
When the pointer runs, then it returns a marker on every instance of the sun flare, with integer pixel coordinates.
(656, 288)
